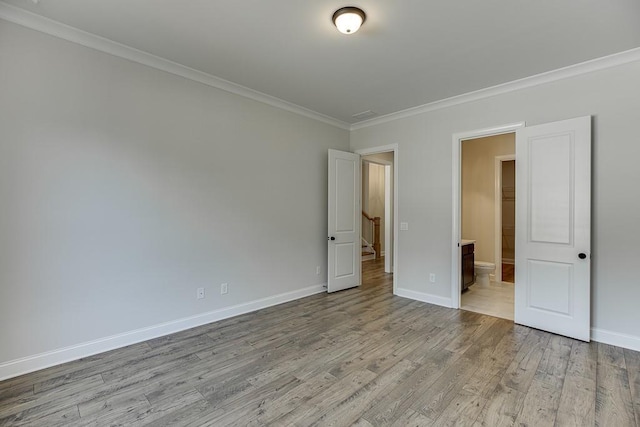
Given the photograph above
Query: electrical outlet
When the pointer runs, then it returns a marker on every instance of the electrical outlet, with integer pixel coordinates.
(224, 288)
(432, 277)
(317, 269)
(404, 226)
(200, 293)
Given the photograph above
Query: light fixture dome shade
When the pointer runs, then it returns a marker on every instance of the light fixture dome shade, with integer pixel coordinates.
(348, 19)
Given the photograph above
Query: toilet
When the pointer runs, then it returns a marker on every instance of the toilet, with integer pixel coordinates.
(482, 271)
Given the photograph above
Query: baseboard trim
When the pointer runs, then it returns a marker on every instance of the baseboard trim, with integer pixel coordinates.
(424, 297)
(14, 368)
(631, 342)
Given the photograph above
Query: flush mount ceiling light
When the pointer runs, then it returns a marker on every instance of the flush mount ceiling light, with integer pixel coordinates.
(348, 19)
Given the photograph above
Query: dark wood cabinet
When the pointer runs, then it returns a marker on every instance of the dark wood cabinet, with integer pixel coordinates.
(468, 276)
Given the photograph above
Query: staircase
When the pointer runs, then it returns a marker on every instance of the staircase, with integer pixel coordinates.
(370, 232)
(368, 253)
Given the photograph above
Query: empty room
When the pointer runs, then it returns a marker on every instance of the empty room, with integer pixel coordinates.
(289, 213)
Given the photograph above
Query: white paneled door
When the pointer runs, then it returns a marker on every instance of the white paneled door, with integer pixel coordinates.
(344, 268)
(553, 227)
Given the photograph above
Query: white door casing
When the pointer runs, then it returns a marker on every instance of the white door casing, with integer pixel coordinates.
(388, 220)
(553, 227)
(344, 249)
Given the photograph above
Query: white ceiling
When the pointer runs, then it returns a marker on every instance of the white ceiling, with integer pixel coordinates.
(407, 53)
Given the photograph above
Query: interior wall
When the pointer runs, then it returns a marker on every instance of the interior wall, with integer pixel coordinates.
(478, 191)
(125, 188)
(612, 97)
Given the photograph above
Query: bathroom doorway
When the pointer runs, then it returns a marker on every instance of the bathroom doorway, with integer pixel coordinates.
(487, 208)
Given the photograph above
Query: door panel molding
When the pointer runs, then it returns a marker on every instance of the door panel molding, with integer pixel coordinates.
(344, 267)
(553, 227)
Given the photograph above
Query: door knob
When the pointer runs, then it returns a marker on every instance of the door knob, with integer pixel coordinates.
(332, 238)
(582, 255)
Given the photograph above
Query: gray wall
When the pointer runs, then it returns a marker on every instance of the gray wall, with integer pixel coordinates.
(124, 189)
(612, 96)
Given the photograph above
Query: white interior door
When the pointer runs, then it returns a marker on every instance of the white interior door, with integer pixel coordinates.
(553, 227)
(344, 267)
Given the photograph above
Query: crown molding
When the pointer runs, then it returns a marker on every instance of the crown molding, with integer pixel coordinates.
(597, 64)
(57, 29)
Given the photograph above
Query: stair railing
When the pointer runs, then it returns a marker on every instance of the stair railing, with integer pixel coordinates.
(373, 224)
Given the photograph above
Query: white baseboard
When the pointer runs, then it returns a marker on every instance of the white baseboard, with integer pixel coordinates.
(14, 368)
(631, 342)
(424, 297)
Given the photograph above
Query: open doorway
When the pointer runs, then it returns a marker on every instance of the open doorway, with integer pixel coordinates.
(487, 202)
(344, 267)
(378, 215)
(552, 244)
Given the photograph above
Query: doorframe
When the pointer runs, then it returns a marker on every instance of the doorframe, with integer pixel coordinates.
(497, 198)
(388, 267)
(456, 192)
(394, 250)
(389, 220)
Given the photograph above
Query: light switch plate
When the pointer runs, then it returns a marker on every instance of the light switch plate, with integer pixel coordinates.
(404, 226)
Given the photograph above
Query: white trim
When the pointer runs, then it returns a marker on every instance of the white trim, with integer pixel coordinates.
(424, 297)
(388, 218)
(597, 64)
(457, 139)
(378, 161)
(632, 342)
(378, 150)
(36, 362)
(396, 222)
(57, 29)
(497, 211)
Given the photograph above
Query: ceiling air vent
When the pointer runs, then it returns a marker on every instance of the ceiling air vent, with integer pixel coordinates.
(364, 115)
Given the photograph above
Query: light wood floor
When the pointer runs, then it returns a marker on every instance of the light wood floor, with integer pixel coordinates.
(359, 357)
(495, 299)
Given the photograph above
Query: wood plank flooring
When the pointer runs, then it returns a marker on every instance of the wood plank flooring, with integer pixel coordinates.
(360, 357)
